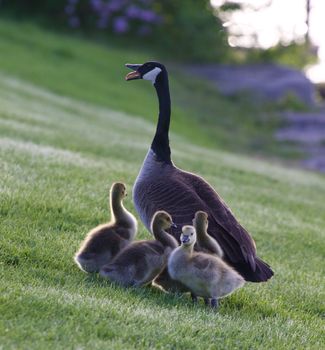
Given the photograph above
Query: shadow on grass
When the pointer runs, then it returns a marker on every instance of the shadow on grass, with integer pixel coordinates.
(156, 297)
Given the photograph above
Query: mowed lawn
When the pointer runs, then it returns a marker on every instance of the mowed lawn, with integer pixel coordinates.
(62, 144)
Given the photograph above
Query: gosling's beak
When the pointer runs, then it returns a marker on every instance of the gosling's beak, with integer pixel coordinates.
(135, 74)
(185, 239)
(174, 225)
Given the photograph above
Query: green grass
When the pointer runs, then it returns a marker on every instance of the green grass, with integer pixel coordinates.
(95, 73)
(69, 127)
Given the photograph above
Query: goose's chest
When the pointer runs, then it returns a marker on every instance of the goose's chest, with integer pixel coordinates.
(151, 170)
(148, 184)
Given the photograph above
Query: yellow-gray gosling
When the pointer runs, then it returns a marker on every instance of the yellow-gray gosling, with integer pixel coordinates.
(205, 243)
(205, 275)
(140, 262)
(105, 241)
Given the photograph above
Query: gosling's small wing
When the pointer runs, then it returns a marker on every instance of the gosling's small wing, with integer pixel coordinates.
(205, 265)
(103, 238)
(201, 261)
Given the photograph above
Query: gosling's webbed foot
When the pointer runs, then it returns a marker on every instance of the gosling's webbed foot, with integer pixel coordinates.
(194, 298)
(214, 303)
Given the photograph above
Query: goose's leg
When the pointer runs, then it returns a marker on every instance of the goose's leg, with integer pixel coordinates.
(194, 298)
(214, 303)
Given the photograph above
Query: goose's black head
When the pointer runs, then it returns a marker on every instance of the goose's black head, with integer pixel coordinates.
(148, 71)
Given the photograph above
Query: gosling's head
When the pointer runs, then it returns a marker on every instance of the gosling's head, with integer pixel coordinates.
(148, 71)
(200, 221)
(163, 220)
(188, 236)
(118, 190)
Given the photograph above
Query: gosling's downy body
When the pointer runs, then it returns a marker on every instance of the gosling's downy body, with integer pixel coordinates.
(105, 241)
(205, 275)
(140, 262)
(204, 242)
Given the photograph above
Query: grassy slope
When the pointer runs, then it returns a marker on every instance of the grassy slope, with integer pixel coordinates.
(58, 156)
(95, 73)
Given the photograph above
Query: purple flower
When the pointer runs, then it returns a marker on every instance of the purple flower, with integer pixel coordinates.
(96, 5)
(133, 11)
(70, 9)
(117, 15)
(120, 25)
(74, 22)
(149, 16)
(115, 5)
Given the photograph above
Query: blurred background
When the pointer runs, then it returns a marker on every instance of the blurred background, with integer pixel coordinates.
(249, 74)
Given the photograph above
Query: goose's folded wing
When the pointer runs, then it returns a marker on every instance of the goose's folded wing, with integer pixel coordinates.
(234, 239)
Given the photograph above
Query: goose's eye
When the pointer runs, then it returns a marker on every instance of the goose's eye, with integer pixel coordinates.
(191, 233)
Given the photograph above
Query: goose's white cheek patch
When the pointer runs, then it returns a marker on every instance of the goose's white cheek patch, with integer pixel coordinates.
(152, 75)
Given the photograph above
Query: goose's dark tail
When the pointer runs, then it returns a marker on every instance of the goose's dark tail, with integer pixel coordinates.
(262, 273)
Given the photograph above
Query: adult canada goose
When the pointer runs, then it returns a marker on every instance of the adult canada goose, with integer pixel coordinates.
(205, 275)
(160, 185)
(105, 241)
(205, 243)
(140, 262)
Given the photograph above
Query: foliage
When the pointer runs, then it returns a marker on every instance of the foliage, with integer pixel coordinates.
(295, 55)
(184, 29)
(192, 30)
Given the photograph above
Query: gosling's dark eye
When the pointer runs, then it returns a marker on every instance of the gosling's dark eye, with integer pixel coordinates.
(192, 234)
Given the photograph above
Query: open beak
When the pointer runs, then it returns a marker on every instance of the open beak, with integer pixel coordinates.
(135, 74)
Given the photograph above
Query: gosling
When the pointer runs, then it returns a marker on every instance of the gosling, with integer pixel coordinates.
(105, 241)
(205, 275)
(140, 262)
(205, 243)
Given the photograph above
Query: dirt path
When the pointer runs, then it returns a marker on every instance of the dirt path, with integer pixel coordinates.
(273, 82)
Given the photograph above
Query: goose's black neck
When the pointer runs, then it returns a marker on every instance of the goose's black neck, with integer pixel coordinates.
(160, 143)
